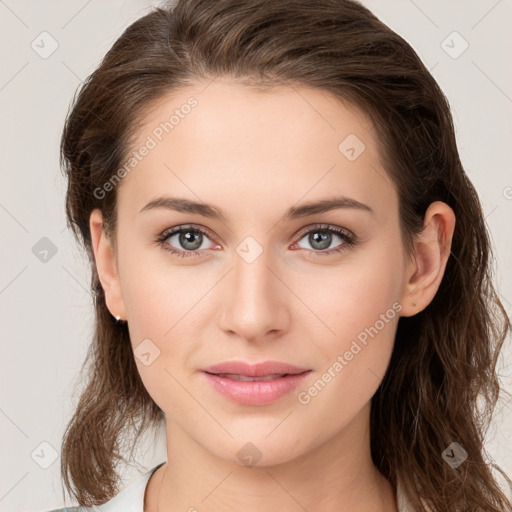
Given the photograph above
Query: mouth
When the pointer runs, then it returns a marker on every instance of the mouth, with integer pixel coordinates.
(255, 390)
(247, 378)
(270, 369)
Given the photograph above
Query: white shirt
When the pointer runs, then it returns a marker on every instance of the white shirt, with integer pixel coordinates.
(131, 499)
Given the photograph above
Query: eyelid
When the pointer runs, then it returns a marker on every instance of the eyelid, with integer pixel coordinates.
(328, 227)
(183, 227)
(349, 240)
(346, 235)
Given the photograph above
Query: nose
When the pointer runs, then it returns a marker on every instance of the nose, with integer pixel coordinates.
(256, 302)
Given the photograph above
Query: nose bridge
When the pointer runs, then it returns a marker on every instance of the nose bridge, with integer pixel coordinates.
(254, 305)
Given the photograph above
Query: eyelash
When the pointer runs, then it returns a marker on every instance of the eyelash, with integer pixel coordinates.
(348, 239)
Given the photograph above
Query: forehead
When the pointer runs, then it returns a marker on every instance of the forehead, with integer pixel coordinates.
(212, 138)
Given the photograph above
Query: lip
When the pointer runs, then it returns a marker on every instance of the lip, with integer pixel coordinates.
(255, 370)
(255, 392)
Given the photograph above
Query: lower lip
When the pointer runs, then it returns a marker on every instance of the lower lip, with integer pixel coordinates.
(255, 392)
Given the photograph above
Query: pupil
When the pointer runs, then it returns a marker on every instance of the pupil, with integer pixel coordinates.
(188, 242)
(322, 238)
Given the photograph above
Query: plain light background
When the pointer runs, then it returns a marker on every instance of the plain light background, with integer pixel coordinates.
(45, 306)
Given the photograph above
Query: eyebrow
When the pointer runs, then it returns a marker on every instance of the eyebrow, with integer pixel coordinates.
(212, 212)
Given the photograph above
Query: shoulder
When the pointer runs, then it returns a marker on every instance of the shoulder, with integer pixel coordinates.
(131, 499)
(76, 509)
(67, 509)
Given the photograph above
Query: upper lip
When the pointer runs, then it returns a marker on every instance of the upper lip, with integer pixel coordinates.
(255, 370)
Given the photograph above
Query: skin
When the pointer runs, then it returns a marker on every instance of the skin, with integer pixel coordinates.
(254, 155)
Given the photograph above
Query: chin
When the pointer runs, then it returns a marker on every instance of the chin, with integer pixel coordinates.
(259, 452)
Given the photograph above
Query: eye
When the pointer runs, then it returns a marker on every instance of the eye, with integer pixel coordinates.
(322, 236)
(188, 240)
(184, 241)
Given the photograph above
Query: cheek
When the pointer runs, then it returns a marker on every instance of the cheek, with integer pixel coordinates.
(355, 356)
(157, 317)
(156, 293)
(162, 304)
(358, 309)
(343, 318)
(353, 297)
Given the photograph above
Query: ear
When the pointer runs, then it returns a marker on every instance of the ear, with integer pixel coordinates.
(426, 266)
(106, 265)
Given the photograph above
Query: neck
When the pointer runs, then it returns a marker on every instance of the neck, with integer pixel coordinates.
(336, 476)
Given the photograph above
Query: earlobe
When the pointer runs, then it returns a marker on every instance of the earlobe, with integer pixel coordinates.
(106, 265)
(428, 262)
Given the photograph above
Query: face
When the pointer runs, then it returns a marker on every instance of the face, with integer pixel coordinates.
(319, 289)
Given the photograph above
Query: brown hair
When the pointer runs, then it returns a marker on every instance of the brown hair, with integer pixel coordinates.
(444, 357)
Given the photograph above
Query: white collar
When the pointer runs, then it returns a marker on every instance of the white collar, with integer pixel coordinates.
(131, 499)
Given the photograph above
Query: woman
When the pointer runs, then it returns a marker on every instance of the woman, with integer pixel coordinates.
(290, 267)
